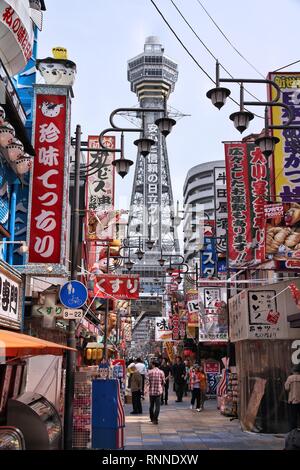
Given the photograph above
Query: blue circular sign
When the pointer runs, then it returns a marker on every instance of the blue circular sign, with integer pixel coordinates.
(73, 294)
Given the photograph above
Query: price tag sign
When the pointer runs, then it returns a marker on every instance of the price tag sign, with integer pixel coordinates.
(72, 314)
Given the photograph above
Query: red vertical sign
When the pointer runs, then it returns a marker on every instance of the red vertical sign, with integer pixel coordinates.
(259, 194)
(48, 179)
(238, 199)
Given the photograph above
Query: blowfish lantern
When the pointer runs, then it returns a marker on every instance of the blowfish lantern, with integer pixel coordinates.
(57, 70)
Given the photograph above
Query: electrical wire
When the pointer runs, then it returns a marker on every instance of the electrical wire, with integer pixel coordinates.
(207, 48)
(288, 65)
(182, 44)
(228, 40)
(190, 54)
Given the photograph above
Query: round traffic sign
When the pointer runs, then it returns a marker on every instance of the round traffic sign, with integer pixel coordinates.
(73, 294)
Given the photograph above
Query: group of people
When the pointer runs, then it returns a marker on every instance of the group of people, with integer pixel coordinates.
(158, 380)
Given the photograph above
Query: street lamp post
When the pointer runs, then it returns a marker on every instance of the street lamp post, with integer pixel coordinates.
(79, 172)
(71, 355)
(165, 125)
(241, 118)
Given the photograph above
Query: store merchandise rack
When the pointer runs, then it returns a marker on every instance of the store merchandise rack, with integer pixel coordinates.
(82, 411)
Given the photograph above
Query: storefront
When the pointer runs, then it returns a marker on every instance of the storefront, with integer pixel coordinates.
(263, 340)
(37, 417)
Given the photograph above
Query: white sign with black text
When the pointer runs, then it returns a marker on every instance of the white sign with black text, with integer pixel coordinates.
(72, 314)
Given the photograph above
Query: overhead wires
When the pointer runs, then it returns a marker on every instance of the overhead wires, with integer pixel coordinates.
(286, 66)
(206, 47)
(228, 40)
(188, 52)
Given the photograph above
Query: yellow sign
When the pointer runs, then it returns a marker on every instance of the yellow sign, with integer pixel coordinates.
(170, 351)
(60, 53)
(286, 160)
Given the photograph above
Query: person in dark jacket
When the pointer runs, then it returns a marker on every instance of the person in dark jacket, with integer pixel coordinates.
(165, 367)
(136, 389)
(179, 374)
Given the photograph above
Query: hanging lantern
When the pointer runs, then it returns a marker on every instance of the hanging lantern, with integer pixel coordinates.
(57, 71)
(15, 150)
(94, 354)
(99, 354)
(7, 134)
(23, 165)
(2, 115)
(89, 354)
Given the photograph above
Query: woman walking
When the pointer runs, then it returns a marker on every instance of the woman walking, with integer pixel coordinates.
(203, 387)
(195, 387)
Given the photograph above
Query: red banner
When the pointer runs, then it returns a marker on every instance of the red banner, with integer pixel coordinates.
(238, 199)
(175, 326)
(259, 179)
(118, 287)
(48, 179)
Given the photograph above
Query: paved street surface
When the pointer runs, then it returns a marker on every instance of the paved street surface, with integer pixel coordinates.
(180, 428)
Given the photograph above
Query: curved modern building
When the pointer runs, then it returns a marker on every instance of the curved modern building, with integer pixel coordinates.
(199, 201)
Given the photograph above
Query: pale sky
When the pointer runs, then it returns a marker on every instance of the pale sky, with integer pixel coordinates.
(101, 35)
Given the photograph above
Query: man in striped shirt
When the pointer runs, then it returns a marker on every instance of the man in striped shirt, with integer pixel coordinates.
(156, 380)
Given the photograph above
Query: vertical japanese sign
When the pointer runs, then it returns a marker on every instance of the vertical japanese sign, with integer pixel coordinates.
(49, 188)
(238, 199)
(152, 183)
(209, 258)
(100, 188)
(10, 299)
(220, 210)
(286, 154)
(175, 321)
(259, 194)
(248, 180)
(101, 184)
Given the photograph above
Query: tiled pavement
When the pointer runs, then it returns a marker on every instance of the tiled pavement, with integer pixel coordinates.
(180, 428)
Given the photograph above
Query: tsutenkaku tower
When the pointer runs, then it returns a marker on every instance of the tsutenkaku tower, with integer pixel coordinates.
(152, 76)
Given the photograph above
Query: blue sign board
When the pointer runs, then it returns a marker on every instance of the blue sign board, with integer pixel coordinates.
(73, 294)
(209, 258)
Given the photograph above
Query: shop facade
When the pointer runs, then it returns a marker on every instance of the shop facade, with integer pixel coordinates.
(264, 346)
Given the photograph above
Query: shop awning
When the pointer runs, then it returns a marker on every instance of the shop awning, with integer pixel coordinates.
(19, 345)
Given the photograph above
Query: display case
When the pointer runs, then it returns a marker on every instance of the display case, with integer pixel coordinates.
(229, 406)
(37, 419)
(11, 438)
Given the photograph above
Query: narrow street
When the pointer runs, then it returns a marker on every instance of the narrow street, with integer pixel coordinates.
(180, 428)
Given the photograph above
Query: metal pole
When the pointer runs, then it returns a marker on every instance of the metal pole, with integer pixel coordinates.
(228, 295)
(106, 311)
(71, 355)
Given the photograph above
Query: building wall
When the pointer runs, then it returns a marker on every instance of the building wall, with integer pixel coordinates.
(198, 189)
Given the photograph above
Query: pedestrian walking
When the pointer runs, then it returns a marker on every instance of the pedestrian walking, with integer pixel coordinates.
(156, 380)
(136, 388)
(195, 387)
(187, 377)
(292, 386)
(141, 368)
(166, 368)
(179, 374)
(203, 386)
